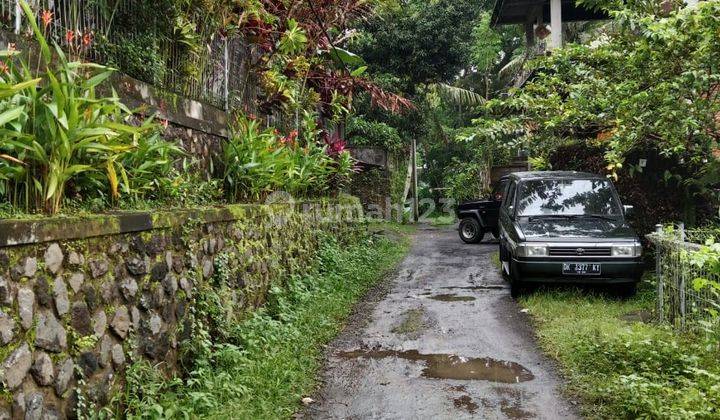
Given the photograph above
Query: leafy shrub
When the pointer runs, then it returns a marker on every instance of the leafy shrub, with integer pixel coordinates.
(625, 369)
(138, 56)
(653, 377)
(465, 180)
(258, 162)
(363, 132)
(56, 130)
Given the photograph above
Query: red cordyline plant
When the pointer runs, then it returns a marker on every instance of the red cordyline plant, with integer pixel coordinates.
(265, 24)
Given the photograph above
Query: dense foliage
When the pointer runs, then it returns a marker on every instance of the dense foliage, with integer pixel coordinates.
(259, 162)
(651, 83)
(57, 131)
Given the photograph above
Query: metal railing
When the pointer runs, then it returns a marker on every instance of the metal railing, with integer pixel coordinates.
(679, 302)
(216, 72)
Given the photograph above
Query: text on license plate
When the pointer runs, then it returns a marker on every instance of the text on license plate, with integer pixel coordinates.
(581, 269)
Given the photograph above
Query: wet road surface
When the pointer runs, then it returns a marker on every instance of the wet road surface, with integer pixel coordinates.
(440, 339)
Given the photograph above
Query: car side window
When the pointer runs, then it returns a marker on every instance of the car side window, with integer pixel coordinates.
(509, 203)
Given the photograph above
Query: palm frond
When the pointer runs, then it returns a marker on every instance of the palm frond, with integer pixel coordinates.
(514, 66)
(459, 95)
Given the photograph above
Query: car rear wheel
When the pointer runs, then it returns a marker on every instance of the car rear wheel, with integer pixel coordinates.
(470, 231)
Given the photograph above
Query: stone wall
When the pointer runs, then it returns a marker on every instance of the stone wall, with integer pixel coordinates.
(82, 297)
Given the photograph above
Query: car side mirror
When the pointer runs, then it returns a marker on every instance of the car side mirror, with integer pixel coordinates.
(628, 210)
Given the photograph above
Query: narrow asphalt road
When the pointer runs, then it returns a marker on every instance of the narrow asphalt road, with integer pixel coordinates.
(441, 339)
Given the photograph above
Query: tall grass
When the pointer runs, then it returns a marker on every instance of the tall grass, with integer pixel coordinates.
(269, 361)
(619, 367)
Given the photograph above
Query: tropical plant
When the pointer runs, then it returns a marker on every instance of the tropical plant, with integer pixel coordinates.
(258, 162)
(56, 129)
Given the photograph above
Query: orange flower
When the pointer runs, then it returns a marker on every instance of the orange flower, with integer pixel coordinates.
(4, 67)
(87, 39)
(70, 36)
(164, 123)
(46, 17)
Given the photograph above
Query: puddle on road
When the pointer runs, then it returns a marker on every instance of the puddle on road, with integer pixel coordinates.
(450, 366)
(451, 297)
(477, 287)
(466, 403)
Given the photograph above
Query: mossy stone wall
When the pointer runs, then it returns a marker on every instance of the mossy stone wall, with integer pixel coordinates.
(80, 298)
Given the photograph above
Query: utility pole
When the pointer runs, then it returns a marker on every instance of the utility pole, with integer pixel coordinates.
(413, 159)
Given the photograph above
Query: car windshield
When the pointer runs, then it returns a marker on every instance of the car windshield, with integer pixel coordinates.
(567, 197)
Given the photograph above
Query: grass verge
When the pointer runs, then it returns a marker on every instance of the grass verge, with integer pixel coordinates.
(620, 367)
(443, 220)
(272, 359)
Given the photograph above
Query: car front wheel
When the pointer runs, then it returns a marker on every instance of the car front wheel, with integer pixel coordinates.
(470, 231)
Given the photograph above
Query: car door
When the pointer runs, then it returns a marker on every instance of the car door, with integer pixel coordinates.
(491, 214)
(507, 212)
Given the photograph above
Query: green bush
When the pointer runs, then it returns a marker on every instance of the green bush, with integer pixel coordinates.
(363, 132)
(258, 162)
(627, 369)
(56, 130)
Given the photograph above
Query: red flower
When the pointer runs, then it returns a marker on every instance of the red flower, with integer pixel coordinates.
(87, 38)
(4, 67)
(336, 145)
(46, 17)
(290, 138)
(70, 36)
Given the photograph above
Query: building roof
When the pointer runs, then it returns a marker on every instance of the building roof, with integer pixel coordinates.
(555, 175)
(508, 12)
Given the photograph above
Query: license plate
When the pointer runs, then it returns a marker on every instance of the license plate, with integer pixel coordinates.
(581, 269)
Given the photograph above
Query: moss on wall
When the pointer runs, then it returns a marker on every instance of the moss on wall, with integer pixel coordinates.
(82, 298)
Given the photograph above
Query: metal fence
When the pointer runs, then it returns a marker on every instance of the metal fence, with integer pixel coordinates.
(216, 73)
(679, 302)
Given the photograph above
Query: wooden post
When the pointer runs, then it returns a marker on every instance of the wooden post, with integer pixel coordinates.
(415, 209)
(658, 273)
(533, 17)
(556, 37)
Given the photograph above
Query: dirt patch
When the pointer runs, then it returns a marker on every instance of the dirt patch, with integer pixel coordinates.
(458, 388)
(412, 323)
(465, 403)
(511, 404)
